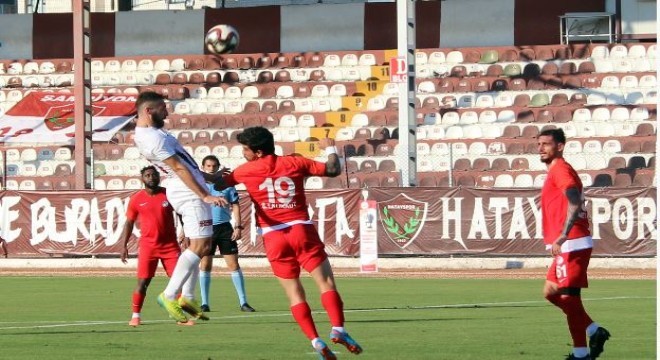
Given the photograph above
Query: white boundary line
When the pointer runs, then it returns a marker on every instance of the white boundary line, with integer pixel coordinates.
(64, 323)
(417, 263)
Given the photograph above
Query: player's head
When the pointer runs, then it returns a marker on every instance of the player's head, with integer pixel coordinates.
(151, 104)
(210, 164)
(551, 144)
(257, 141)
(150, 177)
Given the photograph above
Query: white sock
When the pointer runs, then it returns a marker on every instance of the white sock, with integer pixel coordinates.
(188, 261)
(135, 315)
(188, 289)
(339, 328)
(316, 341)
(580, 352)
(591, 329)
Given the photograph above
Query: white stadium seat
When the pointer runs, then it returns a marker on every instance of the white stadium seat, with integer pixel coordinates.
(367, 59)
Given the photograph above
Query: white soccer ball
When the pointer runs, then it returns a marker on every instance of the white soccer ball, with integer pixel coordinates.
(221, 39)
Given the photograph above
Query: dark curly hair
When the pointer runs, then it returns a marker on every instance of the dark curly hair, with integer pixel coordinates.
(258, 138)
(557, 135)
(150, 167)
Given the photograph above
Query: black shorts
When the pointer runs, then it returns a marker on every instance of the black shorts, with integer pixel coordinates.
(222, 239)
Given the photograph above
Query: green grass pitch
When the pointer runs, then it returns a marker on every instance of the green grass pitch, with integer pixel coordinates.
(86, 318)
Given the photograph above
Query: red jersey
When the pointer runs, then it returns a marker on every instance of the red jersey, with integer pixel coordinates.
(554, 203)
(156, 218)
(276, 187)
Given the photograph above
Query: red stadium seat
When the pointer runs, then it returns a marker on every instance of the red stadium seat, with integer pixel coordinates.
(371, 180)
(114, 152)
(645, 129)
(229, 63)
(527, 55)
(234, 122)
(63, 184)
(465, 180)
(338, 182)
(500, 164)
(251, 107)
(314, 60)
(185, 137)
(390, 180)
(62, 170)
(251, 120)
(642, 179)
(180, 78)
(481, 164)
(511, 131)
(282, 61)
(616, 162)
(630, 147)
(213, 78)
(622, 180)
(494, 70)
(282, 76)
(44, 184)
(268, 107)
(550, 68)
(462, 165)
(426, 180)
(519, 164)
(368, 166)
(231, 77)
(586, 67)
(509, 55)
(386, 165)
(202, 137)
(530, 132)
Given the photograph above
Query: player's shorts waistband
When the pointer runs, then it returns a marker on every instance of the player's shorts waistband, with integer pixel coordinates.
(267, 229)
(581, 243)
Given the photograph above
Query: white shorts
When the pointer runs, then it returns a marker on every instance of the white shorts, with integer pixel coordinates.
(195, 214)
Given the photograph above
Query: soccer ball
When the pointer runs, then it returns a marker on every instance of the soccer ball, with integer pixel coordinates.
(221, 39)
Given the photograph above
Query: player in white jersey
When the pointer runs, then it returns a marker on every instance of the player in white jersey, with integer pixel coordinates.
(187, 192)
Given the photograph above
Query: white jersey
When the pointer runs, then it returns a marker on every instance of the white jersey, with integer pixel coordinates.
(157, 145)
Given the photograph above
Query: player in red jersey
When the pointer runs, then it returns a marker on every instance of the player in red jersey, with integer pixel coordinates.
(276, 186)
(158, 240)
(566, 234)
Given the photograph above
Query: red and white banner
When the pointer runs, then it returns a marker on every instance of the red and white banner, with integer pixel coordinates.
(391, 222)
(49, 117)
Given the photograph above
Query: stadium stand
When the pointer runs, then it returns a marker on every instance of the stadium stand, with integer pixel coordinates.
(485, 104)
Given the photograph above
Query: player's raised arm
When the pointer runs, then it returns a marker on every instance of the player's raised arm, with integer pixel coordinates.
(216, 176)
(332, 165)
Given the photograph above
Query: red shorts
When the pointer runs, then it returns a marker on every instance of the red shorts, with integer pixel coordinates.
(294, 247)
(148, 261)
(570, 269)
